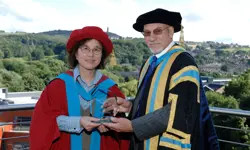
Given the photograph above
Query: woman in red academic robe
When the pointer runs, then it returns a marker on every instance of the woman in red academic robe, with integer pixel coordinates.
(67, 115)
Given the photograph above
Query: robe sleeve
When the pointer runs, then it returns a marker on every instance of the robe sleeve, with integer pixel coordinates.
(114, 90)
(52, 103)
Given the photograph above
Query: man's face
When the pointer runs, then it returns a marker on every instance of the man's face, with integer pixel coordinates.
(158, 36)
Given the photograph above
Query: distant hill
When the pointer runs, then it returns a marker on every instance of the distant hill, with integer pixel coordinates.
(67, 33)
(57, 32)
(210, 56)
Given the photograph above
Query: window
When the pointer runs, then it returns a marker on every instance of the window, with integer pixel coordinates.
(20, 146)
(22, 123)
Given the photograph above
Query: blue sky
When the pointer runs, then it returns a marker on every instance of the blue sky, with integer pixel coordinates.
(203, 20)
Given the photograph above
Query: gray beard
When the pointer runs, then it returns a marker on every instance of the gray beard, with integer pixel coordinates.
(159, 51)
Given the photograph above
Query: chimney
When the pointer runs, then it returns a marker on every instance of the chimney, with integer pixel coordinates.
(3, 92)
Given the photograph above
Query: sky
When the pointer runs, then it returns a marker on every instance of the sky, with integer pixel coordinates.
(226, 21)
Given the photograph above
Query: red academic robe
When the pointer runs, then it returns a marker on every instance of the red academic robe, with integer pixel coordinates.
(44, 131)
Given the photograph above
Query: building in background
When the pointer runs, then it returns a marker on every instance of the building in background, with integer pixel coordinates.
(14, 125)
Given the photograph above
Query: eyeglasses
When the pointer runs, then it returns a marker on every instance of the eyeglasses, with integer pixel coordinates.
(85, 49)
(157, 31)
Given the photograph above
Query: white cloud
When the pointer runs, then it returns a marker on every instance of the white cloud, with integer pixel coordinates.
(222, 19)
(203, 19)
(29, 16)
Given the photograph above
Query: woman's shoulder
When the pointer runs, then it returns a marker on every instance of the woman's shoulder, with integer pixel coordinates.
(57, 82)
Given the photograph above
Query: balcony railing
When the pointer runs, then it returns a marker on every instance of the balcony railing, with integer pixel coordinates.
(214, 110)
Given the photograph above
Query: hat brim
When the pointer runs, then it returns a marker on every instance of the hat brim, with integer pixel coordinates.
(140, 26)
(159, 16)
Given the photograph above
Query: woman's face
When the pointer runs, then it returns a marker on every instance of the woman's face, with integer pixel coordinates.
(89, 54)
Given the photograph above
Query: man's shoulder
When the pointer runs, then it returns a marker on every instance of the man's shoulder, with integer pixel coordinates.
(184, 58)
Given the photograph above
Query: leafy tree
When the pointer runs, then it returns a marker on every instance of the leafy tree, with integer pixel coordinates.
(48, 51)
(7, 53)
(239, 86)
(63, 57)
(111, 76)
(1, 80)
(41, 70)
(29, 57)
(216, 75)
(11, 80)
(129, 68)
(129, 88)
(32, 83)
(37, 54)
(1, 54)
(15, 65)
(245, 101)
(59, 48)
(55, 66)
(1, 64)
(218, 100)
(117, 68)
(20, 51)
(224, 68)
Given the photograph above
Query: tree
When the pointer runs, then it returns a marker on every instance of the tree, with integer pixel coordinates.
(15, 65)
(55, 66)
(59, 48)
(20, 51)
(245, 101)
(216, 75)
(63, 56)
(218, 100)
(129, 88)
(29, 57)
(48, 51)
(128, 68)
(32, 83)
(1, 65)
(41, 70)
(11, 80)
(37, 54)
(111, 76)
(112, 59)
(224, 68)
(239, 86)
(239, 89)
(117, 68)
(1, 55)
(7, 53)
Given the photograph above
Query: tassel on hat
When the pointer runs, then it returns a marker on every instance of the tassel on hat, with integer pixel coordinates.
(181, 40)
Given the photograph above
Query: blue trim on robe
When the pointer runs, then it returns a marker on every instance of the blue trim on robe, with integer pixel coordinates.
(165, 59)
(72, 90)
(189, 73)
(175, 142)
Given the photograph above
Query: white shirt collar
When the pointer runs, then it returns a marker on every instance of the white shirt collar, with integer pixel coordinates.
(165, 50)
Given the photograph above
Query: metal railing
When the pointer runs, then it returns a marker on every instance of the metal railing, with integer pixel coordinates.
(214, 110)
(14, 107)
(231, 112)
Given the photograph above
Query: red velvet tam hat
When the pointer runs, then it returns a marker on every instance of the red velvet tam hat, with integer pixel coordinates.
(92, 32)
